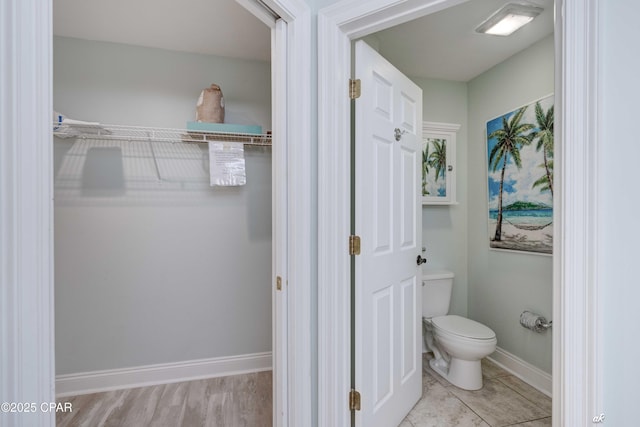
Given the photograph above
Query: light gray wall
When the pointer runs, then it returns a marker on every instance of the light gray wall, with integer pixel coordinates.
(444, 228)
(502, 284)
(619, 235)
(156, 269)
(118, 84)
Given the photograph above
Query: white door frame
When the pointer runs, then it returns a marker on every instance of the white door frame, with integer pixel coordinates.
(291, 162)
(27, 364)
(577, 336)
(26, 210)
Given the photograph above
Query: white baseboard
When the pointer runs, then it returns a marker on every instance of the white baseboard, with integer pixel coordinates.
(528, 373)
(115, 379)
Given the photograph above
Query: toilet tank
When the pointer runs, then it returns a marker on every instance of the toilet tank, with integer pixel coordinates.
(436, 292)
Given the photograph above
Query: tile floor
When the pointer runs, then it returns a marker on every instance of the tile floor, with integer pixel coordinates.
(503, 401)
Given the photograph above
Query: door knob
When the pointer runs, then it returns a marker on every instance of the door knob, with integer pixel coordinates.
(398, 133)
(420, 260)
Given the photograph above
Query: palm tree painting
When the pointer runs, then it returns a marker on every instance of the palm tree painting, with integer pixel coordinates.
(438, 158)
(544, 137)
(434, 166)
(425, 170)
(520, 178)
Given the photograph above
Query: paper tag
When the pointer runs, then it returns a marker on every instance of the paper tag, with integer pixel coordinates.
(226, 163)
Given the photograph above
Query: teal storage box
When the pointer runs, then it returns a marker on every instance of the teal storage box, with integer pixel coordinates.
(224, 128)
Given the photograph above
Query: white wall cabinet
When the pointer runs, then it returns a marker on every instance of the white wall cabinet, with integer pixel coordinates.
(439, 163)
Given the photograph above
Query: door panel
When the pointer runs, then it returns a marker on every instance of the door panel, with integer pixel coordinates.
(383, 220)
(387, 217)
(407, 199)
(408, 315)
(408, 113)
(383, 357)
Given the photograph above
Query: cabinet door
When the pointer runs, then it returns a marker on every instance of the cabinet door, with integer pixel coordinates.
(439, 163)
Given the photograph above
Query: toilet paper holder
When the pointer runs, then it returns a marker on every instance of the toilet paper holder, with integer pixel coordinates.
(534, 321)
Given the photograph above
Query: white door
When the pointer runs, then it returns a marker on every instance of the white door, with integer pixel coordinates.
(388, 302)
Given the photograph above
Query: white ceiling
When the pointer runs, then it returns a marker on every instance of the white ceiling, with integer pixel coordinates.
(443, 45)
(216, 27)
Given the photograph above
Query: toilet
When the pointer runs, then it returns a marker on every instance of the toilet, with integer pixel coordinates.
(458, 344)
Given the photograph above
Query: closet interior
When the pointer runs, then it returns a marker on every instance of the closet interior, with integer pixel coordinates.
(156, 270)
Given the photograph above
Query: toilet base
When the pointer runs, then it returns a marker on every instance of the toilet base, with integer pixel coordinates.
(465, 374)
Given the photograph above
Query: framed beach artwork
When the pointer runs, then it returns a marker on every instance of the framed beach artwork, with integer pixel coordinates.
(439, 163)
(520, 178)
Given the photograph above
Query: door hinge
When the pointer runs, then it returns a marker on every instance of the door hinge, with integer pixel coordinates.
(354, 245)
(279, 283)
(354, 88)
(354, 400)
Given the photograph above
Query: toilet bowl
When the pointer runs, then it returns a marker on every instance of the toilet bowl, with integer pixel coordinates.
(458, 344)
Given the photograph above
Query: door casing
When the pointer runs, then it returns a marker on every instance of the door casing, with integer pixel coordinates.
(577, 339)
(26, 219)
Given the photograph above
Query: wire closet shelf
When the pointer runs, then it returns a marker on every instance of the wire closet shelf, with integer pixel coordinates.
(153, 134)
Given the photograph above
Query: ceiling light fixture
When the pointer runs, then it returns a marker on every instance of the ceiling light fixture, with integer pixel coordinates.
(508, 19)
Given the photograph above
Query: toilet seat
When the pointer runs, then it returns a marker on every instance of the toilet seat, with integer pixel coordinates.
(461, 327)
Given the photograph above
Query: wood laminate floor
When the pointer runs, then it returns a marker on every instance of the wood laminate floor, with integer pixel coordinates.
(240, 400)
